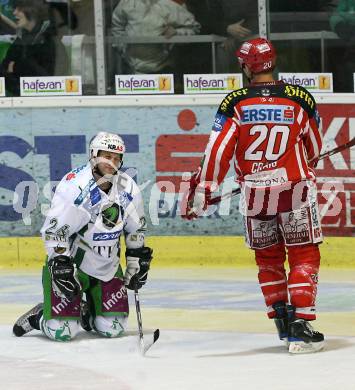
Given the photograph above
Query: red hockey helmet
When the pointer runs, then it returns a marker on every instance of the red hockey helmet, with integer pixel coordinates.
(258, 54)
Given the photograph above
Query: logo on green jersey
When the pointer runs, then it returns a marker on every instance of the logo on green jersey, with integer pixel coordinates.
(111, 215)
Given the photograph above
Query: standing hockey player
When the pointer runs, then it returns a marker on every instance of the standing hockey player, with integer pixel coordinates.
(92, 207)
(271, 129)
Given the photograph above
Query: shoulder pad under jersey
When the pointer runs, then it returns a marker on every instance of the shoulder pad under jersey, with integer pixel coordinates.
(228, 103)
(128, 184)
(75, 182)
(301, 96)
(75, 173)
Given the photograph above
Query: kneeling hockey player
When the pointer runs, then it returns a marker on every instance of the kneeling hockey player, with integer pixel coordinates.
(92, 207)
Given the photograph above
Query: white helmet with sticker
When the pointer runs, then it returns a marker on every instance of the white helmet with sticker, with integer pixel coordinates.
(108, 142)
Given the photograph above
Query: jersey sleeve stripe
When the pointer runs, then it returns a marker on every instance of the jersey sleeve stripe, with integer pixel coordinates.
(237, 113)
(235, 120)
(300, 165)
(305, 129)
(314, 143)
(224, 155)
(300, 116)
(216, 139)
(309, 170)
(320, 131)
(212, 140)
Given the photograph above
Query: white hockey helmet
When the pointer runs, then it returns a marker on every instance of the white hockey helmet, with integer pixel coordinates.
(108, 142)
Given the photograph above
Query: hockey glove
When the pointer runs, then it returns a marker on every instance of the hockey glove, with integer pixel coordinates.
(195, 201)
(64, 281)
(138, 263)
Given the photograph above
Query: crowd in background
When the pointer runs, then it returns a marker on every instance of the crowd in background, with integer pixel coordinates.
(39, 31)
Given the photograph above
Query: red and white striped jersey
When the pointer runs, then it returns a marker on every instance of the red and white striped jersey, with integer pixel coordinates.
(272, 131)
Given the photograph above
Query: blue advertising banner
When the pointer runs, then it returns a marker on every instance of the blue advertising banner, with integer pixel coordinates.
(38, 146)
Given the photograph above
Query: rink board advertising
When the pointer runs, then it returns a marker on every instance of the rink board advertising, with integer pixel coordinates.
(212, 83)
(133, 84)
(2, 86)
(51, 86)
(315, 82)
(39, 146)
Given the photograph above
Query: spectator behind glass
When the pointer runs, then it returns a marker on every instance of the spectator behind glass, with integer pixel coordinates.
(199, 54)
(342, 22)
(150, 18)
(299, 5)
(33, 51)
(7, 19)
(237, 20)
(299, 55)
(62, 16)
(203, 12)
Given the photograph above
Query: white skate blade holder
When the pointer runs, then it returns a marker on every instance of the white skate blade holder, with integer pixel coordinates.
(300, 347)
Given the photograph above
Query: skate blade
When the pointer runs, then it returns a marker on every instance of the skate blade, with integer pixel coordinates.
(286, 342)
(299, 347)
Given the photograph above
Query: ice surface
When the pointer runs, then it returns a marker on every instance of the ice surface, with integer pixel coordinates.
(179, 360)
(214, 335)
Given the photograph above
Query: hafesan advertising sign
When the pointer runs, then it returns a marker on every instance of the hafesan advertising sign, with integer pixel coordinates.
(2, 86)
(144, 84)
(51, 86)
(212, 83)
(314, 82)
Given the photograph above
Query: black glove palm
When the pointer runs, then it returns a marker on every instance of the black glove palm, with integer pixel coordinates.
(62, 272)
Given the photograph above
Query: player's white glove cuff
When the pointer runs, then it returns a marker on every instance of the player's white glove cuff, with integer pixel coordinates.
(199, 204)
(132, 268)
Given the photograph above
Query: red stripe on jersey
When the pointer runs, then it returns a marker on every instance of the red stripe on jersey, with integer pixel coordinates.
(211, 161)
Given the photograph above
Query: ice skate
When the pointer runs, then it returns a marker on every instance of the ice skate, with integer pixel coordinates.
(28, 321)
(303, 338)
(281, 320)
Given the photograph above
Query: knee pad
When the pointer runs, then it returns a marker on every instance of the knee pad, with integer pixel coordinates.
(301, 254)
(60, 330)
(273, 255)
(110, 326)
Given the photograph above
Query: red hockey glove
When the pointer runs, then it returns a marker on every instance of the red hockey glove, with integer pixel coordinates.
(195, 200)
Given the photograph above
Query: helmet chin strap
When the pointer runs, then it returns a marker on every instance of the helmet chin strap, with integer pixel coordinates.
(97, 171)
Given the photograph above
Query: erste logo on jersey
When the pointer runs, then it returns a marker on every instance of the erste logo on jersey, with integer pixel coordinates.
(270, 113)
(219, 122)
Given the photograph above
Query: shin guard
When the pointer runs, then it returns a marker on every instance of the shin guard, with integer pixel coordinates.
(272, 276)
(303, 278)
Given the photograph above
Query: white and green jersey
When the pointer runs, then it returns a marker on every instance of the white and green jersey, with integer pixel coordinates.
(86, 223)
